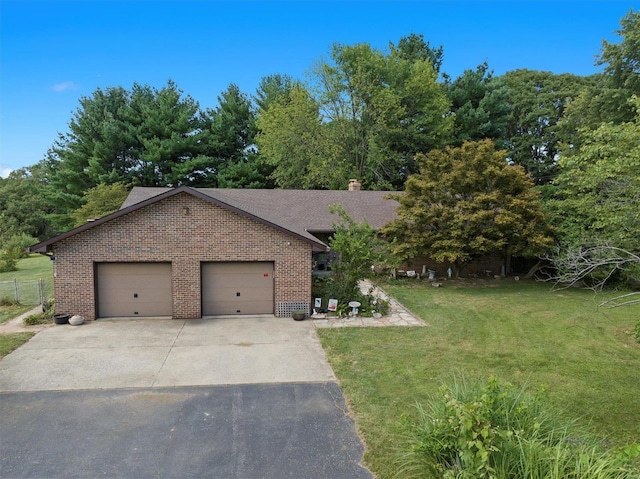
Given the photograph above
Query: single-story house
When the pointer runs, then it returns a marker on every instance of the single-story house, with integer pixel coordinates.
(193, 252)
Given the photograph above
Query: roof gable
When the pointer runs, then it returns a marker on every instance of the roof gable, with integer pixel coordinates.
(163, 193)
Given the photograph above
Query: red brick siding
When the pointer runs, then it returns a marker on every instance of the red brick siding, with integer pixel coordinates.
(162, 232)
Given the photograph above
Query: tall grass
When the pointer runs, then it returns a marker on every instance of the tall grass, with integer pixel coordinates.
(490, 429)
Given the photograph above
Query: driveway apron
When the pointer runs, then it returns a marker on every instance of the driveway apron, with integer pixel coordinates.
(221, 398)
(162, 352)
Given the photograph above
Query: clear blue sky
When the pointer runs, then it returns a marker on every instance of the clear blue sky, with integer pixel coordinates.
(54, 52)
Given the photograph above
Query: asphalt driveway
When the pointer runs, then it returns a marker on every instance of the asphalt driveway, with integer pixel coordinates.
(217, 398)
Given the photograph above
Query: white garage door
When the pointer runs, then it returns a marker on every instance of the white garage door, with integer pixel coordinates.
(134, 290)
(237, 288)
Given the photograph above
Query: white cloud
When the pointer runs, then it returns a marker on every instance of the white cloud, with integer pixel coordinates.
(4, 172)
(64, 86)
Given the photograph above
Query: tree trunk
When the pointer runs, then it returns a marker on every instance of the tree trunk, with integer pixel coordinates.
(534, 269)
(507, 263)
(458, 269)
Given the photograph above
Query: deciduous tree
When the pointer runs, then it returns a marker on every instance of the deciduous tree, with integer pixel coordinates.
(596, 197)
(466, 203)
(24, 208)
(100, 201)
(606, 96)
(293, 141)
(365, 116)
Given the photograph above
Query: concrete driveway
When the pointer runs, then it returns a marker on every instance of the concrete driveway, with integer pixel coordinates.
(108, 354)
(238, 398)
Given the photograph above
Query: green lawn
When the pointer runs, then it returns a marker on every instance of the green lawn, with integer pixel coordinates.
(34, 267)
(11, 311)
(9, 342)
(585, 359)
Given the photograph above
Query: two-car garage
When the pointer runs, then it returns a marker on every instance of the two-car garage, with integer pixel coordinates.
(145, 289)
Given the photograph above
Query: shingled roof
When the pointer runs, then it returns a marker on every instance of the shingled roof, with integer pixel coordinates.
(298, 212)
(308, 209)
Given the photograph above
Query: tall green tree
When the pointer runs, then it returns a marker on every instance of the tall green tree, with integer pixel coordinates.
(272, 88)
(538, 100)
(622, 60)
(167, 125)
(292, 140)
(24, 209)
(422, 123)
(606, 97)
(228, 139)
(596, 197)
(357, 109)
(415, 48)
(146, 137)
(230, 126)
(367, 114)
(466, 203)
(480, 105)
(99, 139)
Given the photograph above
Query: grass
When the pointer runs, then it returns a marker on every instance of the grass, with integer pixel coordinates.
(36, 266)
(9, 342)
(585, 358)
(10, 311)
(31, 268)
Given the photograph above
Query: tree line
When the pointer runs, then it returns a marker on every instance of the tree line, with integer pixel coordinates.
(384, 117)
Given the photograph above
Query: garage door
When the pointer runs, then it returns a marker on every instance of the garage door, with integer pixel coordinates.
(237, 288)
(134, 289)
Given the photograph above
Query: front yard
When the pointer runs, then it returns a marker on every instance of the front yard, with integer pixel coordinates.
(585, 358)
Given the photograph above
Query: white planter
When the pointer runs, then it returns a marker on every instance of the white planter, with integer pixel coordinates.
(76, 320)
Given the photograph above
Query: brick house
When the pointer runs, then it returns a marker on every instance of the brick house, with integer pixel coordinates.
(193, 252)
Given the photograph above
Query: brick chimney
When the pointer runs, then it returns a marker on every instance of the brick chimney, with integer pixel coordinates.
(354, 185)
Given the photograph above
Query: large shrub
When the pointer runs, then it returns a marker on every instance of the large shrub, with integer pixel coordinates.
(360, 248)
(7, 261)
(494, 430)
(17, 245)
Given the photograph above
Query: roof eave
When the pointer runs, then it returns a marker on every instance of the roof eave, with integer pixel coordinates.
(47, 246)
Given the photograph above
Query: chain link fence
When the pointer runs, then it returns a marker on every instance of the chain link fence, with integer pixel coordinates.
(27, 292)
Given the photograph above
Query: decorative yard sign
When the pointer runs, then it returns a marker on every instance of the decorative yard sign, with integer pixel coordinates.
(333, 305)
(318, 303)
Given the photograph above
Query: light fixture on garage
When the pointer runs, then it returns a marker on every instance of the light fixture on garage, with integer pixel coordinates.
(185, 210)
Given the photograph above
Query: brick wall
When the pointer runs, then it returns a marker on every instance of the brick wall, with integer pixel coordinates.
(162, 232)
